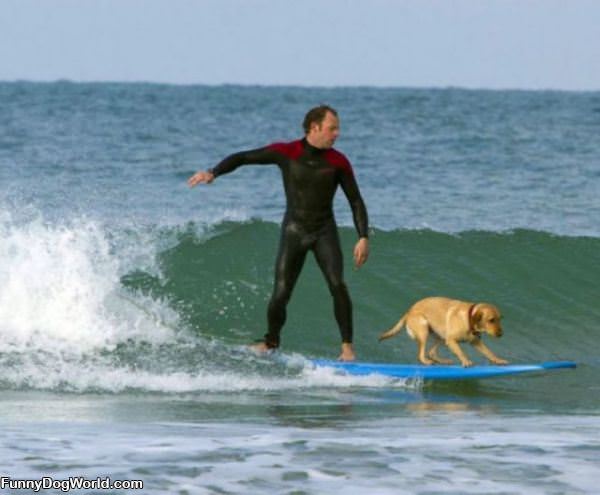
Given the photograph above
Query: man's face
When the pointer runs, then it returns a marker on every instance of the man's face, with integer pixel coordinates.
(323, 135)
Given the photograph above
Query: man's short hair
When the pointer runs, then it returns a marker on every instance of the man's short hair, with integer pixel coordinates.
(316, 116)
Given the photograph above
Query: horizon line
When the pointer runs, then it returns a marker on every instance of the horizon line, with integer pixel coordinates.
(432, 87)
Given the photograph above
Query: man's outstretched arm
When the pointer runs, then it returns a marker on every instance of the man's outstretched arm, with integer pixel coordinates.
(259, 156)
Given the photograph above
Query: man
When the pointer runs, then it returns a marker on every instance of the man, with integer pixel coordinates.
(311, 171)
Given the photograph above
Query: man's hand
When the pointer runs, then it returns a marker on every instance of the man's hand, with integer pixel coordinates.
(361, 252)
(200, 177)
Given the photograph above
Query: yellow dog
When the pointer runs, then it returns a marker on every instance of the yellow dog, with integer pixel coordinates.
(450, 321)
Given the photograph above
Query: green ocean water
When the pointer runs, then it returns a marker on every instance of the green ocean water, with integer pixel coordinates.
(543, 283)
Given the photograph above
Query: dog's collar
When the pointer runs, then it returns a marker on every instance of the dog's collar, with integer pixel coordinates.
(472, 329)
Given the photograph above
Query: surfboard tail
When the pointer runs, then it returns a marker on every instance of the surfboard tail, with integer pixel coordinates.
(394, 330)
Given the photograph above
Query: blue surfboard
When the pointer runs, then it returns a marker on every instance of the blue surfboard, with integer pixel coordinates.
(438, 372)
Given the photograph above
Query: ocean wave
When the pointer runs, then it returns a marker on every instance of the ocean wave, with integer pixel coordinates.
(87, 307)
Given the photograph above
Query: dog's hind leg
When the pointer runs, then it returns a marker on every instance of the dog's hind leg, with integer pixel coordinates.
(433, 352)
(418, 329)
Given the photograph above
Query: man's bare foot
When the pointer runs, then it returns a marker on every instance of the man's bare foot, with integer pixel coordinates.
(347, 353)
(260, 348)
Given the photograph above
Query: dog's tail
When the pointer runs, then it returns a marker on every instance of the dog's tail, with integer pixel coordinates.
(394, 330)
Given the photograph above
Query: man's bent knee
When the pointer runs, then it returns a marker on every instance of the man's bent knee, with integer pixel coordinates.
(338, 288)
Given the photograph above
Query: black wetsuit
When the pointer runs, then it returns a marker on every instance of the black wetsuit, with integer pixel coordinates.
(310, 178)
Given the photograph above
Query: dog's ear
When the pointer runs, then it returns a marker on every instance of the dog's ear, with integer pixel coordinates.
(476, 316)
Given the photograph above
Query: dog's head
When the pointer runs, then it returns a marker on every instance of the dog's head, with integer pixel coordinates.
(486, 318)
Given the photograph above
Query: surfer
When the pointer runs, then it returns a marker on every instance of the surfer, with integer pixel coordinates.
(311, 171)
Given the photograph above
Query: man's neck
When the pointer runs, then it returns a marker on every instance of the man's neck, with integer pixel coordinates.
(311, 143)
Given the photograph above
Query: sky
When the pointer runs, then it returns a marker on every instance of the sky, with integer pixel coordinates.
(497, 44)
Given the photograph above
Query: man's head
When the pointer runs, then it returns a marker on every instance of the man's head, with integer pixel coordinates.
(321, 126)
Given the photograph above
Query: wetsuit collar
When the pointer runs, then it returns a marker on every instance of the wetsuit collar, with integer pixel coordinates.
(313, 150)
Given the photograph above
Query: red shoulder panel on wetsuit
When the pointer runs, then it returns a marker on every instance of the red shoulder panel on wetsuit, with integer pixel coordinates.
(338, 160)
(291, 150)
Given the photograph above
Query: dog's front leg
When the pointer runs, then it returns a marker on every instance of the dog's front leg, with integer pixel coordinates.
(481, 347)
(455, 348)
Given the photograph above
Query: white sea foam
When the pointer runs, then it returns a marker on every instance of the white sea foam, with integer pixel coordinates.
(59, 290)
(53, 283)
(61, 304)
(397, 455)
(62, 372)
